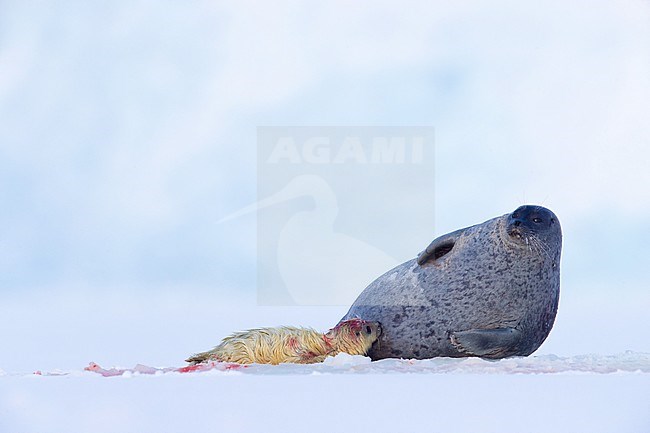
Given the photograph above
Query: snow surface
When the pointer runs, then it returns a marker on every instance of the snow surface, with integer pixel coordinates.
(537, 394)
(554, 390)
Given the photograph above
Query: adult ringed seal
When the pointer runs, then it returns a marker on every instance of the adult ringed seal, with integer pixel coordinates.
(490, 290)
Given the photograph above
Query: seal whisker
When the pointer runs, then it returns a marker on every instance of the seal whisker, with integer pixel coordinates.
(546, 250)
(541, 248)
(532, 240)
(528, 243)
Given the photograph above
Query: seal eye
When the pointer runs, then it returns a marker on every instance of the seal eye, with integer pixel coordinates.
(368, 330)
(537, 220)
(357, 333)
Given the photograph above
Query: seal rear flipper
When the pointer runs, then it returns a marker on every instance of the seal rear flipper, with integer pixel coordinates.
(440, 246)
(199, 357)
(487, 343)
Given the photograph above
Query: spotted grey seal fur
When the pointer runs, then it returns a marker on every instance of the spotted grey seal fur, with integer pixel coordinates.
(489, 290)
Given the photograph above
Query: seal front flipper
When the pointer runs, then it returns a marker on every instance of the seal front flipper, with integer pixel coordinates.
(440, 246)
(486, 343)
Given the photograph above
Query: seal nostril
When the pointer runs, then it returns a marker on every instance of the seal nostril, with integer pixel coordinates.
(517, 223)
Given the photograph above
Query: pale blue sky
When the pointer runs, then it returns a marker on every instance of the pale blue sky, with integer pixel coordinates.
(127, 129)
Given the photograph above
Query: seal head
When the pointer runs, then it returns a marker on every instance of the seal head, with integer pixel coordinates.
(489, 290)
(353, 336)
(533, 225)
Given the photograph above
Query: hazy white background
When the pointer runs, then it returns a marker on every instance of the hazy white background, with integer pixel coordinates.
(127, 129)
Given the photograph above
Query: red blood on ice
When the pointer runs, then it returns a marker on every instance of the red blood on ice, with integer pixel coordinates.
(92, 367)
(106, 373)
(143, 369)
(191, 368)
(209, 366)
(235, 366)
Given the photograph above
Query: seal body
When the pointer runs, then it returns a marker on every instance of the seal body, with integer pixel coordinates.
(293, 345)
(489, 290)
